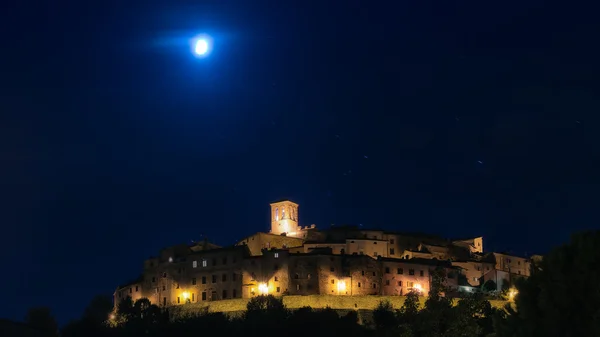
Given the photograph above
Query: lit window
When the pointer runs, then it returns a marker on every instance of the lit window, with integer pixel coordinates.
(170, 259)
(276, 255)
(204, 263)
(195, 264)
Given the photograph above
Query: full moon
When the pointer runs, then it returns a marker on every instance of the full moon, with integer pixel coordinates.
(201, 47)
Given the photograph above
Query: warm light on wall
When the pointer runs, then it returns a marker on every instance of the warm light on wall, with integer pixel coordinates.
(512, 292)
(341, 286)
(417, 287)
(185, 295)
(286, 226)
(263, 289)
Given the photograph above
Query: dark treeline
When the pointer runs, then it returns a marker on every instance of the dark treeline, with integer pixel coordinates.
(561, 298)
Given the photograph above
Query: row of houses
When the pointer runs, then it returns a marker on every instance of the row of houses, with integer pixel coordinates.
(294, 260)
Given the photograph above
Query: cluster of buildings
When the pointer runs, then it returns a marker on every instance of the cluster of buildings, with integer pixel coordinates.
(296, 260)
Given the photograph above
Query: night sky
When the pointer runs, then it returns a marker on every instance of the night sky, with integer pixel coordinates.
(429, 116)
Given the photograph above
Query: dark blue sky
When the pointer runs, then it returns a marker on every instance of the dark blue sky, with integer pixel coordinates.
(412, 115)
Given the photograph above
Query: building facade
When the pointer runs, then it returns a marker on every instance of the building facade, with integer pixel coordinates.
(296, 260)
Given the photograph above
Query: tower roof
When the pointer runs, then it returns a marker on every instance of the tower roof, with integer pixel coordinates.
(281, 201)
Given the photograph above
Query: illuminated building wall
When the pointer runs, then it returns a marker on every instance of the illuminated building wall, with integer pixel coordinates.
(295, 260)
(258, 242)
(474, 271)
(513, 264)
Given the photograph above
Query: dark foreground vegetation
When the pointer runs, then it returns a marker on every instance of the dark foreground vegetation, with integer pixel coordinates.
(560, 299)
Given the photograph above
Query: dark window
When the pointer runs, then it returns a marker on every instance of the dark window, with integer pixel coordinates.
(136, 289)
(387, 270)
(359, 284)
(214, 262)
(214, 279)
(225, 260)
(203, 279)
(421, 273)
(224, 294)
(130, 290)
(194, 281)
(392, 241)
(234, 293)
(278, 289)
(296, 276)
(204, 295)
(178, 301)
(387, 282)
(193, 297)
(233, 276)
(275, 267)
(400, 271)
(374, 273)
(164, 288)
(332, 269)
(332, 281)
(164, 301)
(411, 272)
(224, 278)
(374, 285)
(153, 279)
(276, 278)
(400, 283)
(164, 274)
(392, 251)
(362, 273)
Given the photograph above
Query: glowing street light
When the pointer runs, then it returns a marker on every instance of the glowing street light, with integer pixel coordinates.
(263, 289)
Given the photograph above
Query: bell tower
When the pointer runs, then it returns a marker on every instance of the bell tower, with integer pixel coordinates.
(284, 218)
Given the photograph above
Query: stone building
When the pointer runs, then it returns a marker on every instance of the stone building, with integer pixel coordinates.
(296, 260)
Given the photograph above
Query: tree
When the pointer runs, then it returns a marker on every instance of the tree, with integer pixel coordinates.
(384, 316)
(264, 311)
(436, 316)
(41, 318)
(561, 297)
(99, 309)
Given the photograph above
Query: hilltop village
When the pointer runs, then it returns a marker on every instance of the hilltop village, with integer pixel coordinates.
(296, 260)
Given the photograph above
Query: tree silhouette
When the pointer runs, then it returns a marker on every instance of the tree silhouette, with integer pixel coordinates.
(41, 318)
(384, 316)
(99, 309)
(561, 297)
